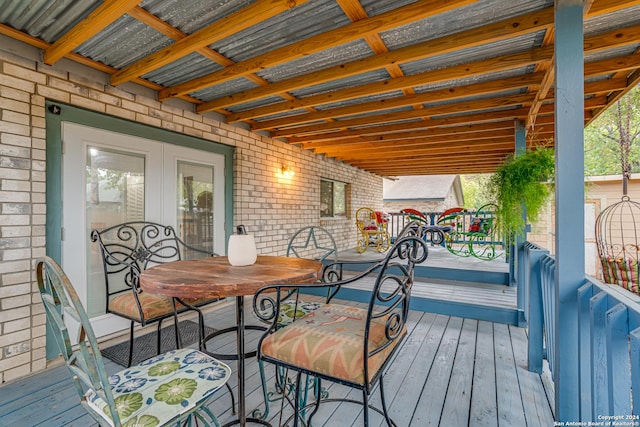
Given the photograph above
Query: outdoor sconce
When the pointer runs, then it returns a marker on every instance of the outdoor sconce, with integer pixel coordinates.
(287, 172)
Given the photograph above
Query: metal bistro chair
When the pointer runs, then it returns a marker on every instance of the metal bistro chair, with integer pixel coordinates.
(129, 248)
(340, 343)
(169, 389)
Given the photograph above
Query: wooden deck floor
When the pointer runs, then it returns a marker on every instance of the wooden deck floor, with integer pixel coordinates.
(449, 372)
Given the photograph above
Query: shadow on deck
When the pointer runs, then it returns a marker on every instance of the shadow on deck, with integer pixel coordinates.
(450, 371)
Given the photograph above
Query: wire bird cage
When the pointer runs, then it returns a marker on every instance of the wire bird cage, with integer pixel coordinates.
(618, 244)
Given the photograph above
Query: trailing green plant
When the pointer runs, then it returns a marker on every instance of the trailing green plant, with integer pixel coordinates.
(522, 184)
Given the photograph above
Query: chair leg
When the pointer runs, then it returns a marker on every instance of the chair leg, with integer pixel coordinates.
(296, 405)
(233, 399)
(318, 390)
(175, 322)
(365, 401)
(130, 345)
(159, 337)
(384, 404)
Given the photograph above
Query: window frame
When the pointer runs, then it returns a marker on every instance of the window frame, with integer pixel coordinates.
(347, 188)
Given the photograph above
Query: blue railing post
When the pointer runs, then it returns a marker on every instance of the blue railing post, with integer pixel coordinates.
(619, 378)
(533, 284)
(634, 344)
(599, 382)
(585, 293)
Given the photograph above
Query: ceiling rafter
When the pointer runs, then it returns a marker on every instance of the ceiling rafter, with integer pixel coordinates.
(164, 28)
(446, 94)
(435, 132)
(521, 25)
(502, 63)
(244, 18)
(404, 15)
(96, 21)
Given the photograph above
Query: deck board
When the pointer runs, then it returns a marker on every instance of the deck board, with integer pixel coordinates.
(449, 372)
(483, 410)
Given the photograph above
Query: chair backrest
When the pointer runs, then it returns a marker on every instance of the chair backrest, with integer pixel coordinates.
(129, 248)
(391, 294)
(313, 242)
(85, 362)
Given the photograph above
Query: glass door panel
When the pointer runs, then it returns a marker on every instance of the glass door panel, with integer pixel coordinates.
(106, 181)
(115, 194)
(195, 206)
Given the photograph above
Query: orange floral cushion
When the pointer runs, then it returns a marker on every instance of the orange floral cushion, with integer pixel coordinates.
(330, 341)
(153, 306)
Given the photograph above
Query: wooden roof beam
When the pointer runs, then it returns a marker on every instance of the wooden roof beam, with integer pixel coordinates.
(477, 129)
(467, 107)
(96, 21)
(498, 145)
(501, 63)
(253, 14)
(450, 140)
(463, 120)
(357, 30)
(431, 77)
(525, 24)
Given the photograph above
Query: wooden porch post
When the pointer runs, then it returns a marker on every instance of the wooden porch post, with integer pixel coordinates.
(518, 244)
(569, 203)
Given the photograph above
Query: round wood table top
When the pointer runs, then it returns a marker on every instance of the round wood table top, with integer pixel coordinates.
(215, 278)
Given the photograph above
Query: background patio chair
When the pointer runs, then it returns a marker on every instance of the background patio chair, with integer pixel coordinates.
(372, 230)
(341, 343)
(144, 394)
(129, 248)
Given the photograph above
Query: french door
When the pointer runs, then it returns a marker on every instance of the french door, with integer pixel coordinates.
(110, 178)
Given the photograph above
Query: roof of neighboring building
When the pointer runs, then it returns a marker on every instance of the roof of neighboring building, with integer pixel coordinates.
(421, 188)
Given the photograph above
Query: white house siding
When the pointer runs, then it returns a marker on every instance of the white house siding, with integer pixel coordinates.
(269, 206)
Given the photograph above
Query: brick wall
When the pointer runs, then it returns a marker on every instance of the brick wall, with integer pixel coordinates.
(269, 205)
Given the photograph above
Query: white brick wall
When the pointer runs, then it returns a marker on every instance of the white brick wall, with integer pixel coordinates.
(270, 206)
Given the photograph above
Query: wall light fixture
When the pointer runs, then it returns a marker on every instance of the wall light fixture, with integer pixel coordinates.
(287, 172)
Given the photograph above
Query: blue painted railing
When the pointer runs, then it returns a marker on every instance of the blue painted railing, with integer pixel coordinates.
(608, 340)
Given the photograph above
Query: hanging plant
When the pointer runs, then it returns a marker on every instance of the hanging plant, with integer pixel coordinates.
(521, 184)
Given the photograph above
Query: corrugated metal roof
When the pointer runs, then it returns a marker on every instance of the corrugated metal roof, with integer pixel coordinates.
(124, 42)
(464, 18)
(45, 19)
(275, 76)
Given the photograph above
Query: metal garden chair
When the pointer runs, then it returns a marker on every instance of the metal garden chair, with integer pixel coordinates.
(344, 344)
(129, 248)
(169, 389)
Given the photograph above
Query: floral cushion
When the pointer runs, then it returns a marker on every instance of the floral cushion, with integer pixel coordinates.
(153, 306)
(290, 310)
(159, 389)
(330, 341)
(623, 272)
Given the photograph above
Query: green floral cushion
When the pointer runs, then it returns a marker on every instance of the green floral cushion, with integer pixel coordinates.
(160, 389)
(290, 310)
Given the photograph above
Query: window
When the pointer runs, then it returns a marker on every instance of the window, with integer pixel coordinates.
(333, 199)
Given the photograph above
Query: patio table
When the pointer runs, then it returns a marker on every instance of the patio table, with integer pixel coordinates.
(215, 278)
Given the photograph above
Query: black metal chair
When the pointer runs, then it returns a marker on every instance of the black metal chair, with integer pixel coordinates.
(129, 248)
(314, 344)
(169, 389)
